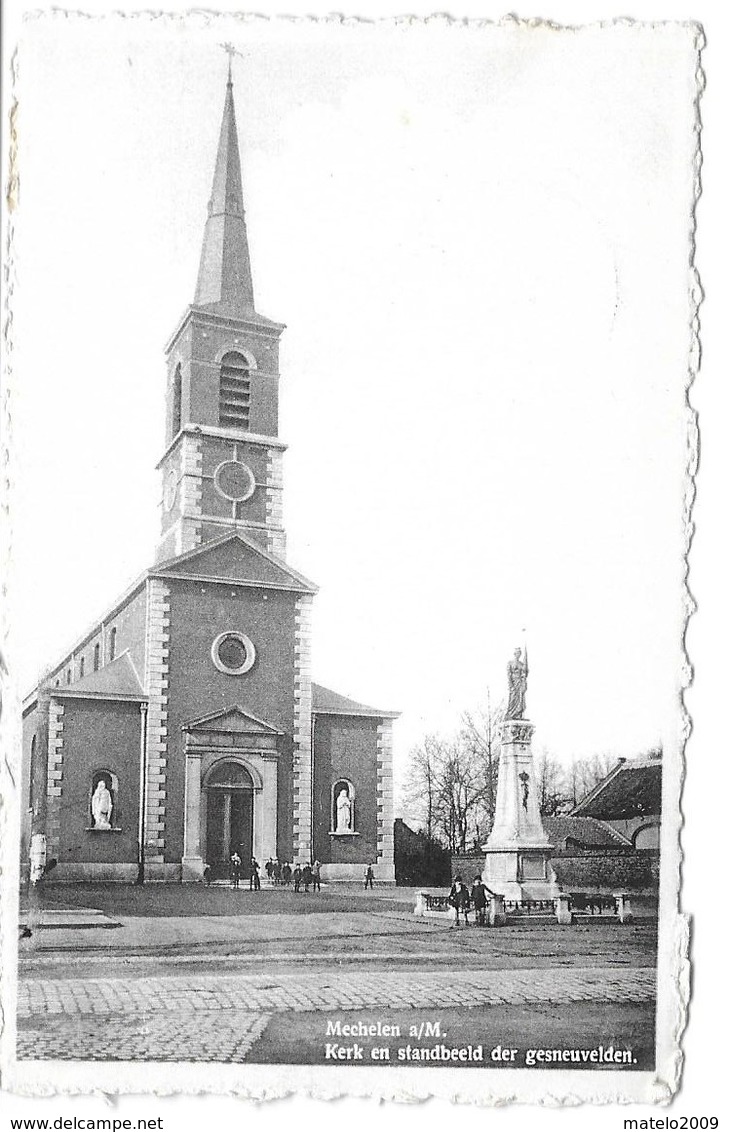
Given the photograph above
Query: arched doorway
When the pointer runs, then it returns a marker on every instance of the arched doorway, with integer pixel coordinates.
(229, 809)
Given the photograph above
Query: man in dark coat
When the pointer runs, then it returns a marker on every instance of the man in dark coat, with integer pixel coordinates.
(306, 877)
(297, 877)
(459, 899)
(478, 898)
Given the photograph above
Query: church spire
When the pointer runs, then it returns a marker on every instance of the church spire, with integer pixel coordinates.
(224, 280)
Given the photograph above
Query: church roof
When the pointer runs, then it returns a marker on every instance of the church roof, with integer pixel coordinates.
(235, 558)
(224, 281)
(117, 680)
(632, 788)
(326, 702)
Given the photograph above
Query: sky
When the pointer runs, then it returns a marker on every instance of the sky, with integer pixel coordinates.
(479, 242)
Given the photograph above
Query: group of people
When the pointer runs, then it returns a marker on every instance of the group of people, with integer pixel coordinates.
(303, 876)
(236, 872)
(463, 900)
(280, 873)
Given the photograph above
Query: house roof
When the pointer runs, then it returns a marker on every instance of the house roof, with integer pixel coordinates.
(587, 832)
(326, 702)
(632, 789)
(117, 680)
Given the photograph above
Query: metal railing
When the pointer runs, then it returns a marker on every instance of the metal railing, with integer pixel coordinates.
(530, 907)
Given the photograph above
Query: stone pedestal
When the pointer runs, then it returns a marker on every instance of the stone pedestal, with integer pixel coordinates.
(518, 850)
(564, 912)
(497, 915)
(622, 907)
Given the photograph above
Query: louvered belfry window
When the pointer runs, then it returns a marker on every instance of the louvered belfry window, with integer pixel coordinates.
(235, 392)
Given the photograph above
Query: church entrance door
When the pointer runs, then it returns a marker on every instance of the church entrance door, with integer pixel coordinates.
(229, 819)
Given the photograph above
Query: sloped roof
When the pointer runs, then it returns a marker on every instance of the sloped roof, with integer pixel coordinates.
(117, 680)
(232, 718)
(590, 832)
(234, 558)
(326, 702)
(632, 789)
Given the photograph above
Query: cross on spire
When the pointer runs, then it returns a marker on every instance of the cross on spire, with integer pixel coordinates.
(230, 51)
(224, 278)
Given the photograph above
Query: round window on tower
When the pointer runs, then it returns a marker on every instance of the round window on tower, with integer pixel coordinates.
(233, 653)
(235, 481)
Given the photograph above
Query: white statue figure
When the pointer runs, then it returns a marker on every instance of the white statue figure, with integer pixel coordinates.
(101, 806)
(344, 812)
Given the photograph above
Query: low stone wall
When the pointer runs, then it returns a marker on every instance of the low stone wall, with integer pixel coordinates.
(608, 872)
(467, 866)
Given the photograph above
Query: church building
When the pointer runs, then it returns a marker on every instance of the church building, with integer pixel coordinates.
(183, 725)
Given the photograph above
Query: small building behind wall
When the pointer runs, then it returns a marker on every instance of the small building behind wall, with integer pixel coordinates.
(628, 800)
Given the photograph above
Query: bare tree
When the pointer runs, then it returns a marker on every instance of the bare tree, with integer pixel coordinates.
(552, 788)
(481, 734)
(420, 790)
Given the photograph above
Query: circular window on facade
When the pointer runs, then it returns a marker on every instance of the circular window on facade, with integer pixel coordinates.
(234, 481)
(233, 653)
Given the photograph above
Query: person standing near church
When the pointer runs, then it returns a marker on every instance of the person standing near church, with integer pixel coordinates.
(316, 877)
(459, 899)
(255, 880)
(297, 877)
(235, 864)
(369, 877)
(306, 877)
(478, 897)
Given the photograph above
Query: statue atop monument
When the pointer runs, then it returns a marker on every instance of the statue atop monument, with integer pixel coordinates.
(517, 670)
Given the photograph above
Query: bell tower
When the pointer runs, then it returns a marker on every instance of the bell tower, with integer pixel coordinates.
(221, 469)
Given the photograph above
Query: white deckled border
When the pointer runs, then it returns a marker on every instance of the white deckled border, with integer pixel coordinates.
(385, 803)
(302, 768)
(157, 685)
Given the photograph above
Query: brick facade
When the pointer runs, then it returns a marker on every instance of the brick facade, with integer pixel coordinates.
(220, 575)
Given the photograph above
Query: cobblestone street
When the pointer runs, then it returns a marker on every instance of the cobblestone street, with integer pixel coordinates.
(220, 1017)
(247, 987)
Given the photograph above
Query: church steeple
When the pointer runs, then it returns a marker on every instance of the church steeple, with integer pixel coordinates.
(224, 281)
(221, 468)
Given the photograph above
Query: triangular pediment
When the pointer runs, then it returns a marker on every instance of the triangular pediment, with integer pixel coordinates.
(232, 720)
(235, 558)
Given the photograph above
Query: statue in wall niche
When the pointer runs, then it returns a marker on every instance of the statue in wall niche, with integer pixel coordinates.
(524, 778)
(101, 805)
(517, 670)
(344, 812)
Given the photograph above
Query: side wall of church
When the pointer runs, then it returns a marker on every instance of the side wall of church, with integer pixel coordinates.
(345, 747)
(128, 621)
(199, 612)
(85, 737)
